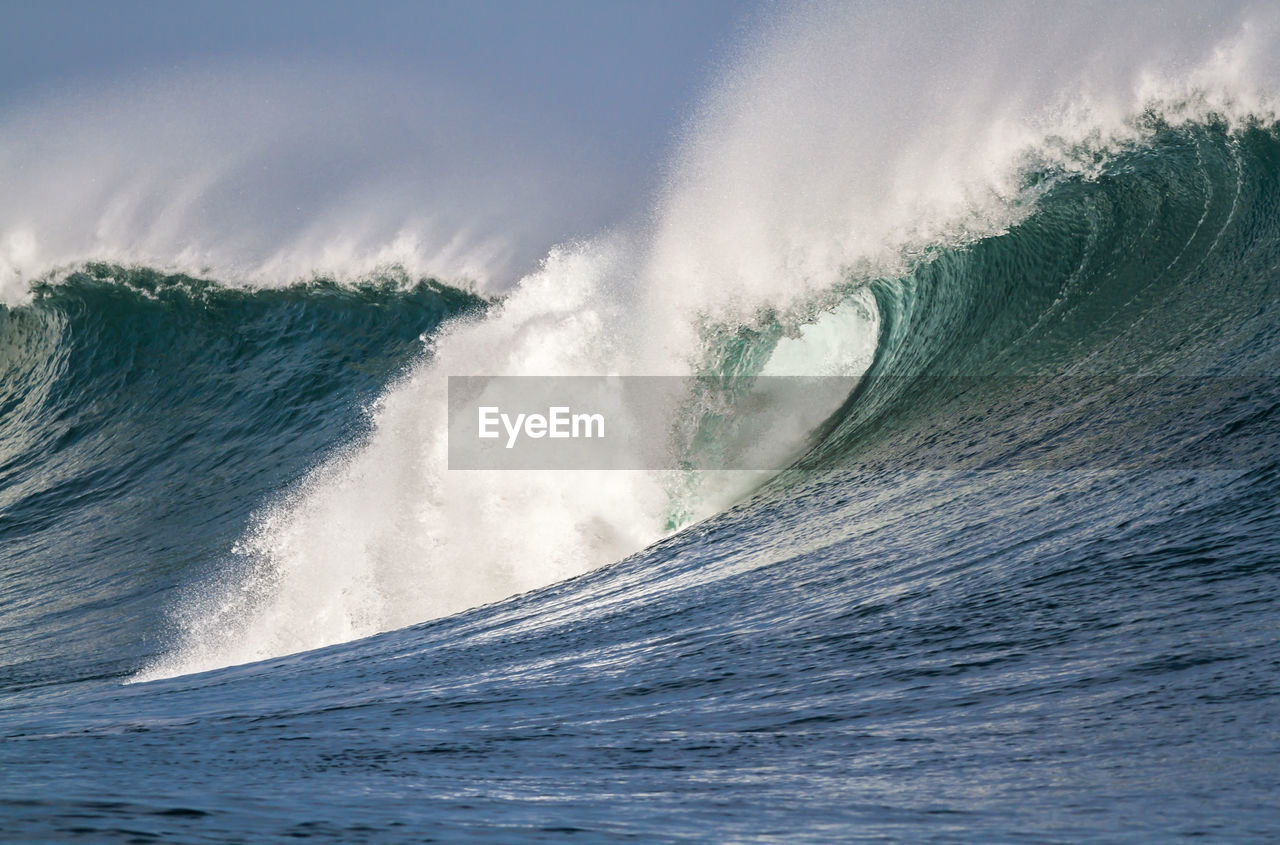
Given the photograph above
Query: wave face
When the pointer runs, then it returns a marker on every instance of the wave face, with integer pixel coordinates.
(143, 417)
(1019, 583)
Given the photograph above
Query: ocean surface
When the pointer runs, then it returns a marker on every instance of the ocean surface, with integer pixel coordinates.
(1022, 583)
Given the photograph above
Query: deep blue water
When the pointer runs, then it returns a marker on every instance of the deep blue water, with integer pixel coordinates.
(1023, 587)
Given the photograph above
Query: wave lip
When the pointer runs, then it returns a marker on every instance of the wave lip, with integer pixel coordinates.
(1055, 345)
(947, 223)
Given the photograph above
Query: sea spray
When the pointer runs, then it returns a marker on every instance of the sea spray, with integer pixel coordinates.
(799, 180)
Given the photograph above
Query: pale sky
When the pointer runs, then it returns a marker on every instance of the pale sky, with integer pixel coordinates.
(627, 70)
